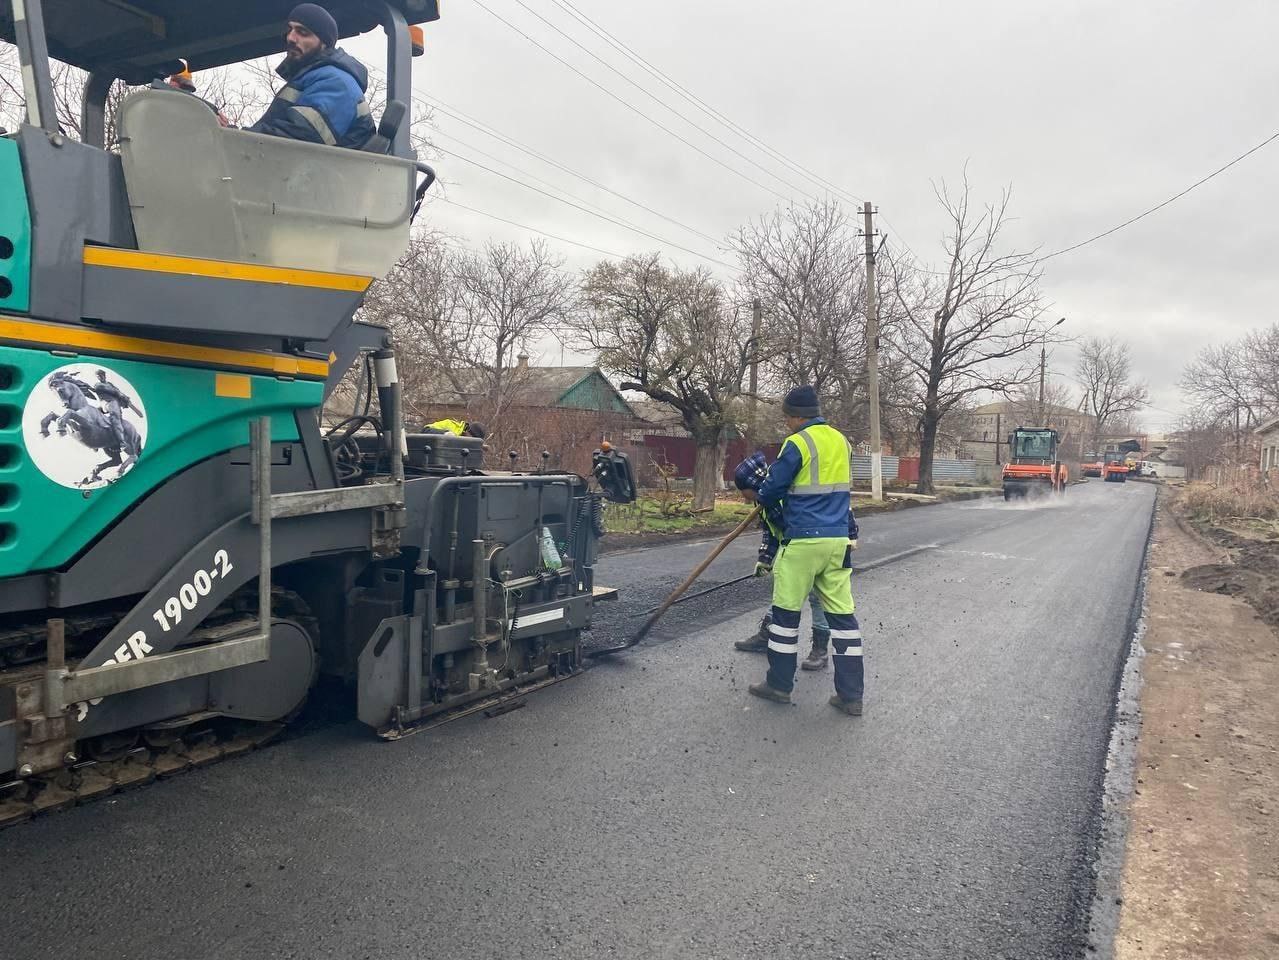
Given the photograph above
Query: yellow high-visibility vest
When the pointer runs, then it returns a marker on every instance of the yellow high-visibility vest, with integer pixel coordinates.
(455, 427)
(824, 461)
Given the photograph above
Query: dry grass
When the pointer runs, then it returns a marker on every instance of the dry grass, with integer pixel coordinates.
(1231, 502)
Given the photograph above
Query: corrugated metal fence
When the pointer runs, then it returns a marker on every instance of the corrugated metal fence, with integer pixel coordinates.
(861, 467)
(954, 471)
(681, 452)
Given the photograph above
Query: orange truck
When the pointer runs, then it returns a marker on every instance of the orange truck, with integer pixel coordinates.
(1093, 465)
(1114, 467)
(1033, 465)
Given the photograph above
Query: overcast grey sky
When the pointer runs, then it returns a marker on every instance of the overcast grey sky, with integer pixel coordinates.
(1090, 111)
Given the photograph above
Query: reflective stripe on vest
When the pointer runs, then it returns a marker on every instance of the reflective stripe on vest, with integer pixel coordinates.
(814, 487)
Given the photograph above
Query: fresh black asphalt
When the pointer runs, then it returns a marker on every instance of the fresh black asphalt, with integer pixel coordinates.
(650, 808)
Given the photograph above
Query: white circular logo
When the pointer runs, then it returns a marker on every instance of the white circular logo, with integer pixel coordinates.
(84, 425)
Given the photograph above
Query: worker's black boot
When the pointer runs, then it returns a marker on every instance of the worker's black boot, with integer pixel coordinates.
(759, 642)
(767, 692)
(818, 653)
(851, 707)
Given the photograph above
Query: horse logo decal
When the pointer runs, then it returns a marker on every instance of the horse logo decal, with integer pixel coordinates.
(85, 426)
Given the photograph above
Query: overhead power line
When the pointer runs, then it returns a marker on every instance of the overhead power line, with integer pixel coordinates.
(490, 131)
(1129, 222)
(587, 210)
(630, 224)
(626, 103)
(662, 103)
(698, 102)
(719, 116)
(525, 226)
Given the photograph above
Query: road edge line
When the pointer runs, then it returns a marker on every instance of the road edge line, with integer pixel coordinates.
(1120, 779)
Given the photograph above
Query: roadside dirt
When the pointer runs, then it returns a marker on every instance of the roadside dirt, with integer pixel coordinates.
(1252, 573)
(1201, 874)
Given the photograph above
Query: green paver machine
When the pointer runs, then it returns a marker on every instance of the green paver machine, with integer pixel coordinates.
(181, 544)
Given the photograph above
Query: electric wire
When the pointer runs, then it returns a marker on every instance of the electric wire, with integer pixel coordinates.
(630, 106)
(525, 226)
(549, 184)
(701, 104)
(1159, 206)
(662, 103)
(577, 206)
(794, 165)
(493, 132)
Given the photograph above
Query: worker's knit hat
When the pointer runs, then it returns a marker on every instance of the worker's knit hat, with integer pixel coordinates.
(318, 20)
(751, 472)
(802, 402)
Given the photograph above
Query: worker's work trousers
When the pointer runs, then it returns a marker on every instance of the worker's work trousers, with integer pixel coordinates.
(815, 566)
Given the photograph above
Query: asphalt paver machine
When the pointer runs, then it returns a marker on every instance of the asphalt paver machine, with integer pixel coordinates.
(181, 543)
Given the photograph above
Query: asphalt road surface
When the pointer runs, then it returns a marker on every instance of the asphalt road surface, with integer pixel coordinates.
(650, 808)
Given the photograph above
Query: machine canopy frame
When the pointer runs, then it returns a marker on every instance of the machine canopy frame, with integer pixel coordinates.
(138, 41)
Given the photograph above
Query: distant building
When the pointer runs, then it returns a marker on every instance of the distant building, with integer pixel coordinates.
(1165, 455)
(1268, 432)
(986, 438)
(575, 388)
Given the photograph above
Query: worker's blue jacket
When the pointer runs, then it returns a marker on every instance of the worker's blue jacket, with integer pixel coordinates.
(322, 102)
(771, 525)
(810, 481)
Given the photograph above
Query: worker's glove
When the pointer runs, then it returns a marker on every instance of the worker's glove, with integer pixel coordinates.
(852, 544)
(763, 569)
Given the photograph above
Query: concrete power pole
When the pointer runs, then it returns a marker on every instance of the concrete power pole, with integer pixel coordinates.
(1043, 367)
(872, 359)
(756, 322)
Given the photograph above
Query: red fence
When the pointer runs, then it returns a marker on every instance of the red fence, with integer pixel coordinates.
(681, 452)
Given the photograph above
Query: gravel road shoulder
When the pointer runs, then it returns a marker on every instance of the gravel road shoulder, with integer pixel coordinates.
(1201, 877)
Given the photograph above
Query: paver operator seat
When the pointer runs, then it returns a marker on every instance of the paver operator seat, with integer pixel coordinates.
(198, 189)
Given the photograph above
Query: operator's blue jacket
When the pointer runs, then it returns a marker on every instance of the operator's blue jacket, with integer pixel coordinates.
(805, 517)
(322, 102)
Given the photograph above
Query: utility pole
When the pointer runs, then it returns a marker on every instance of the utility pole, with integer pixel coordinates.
(1043, 367)
(872, 358)
(756, 321)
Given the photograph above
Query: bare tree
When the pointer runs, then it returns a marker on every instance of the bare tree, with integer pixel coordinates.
(1206, 440)
(1236, 384)
(460, 318)
(804, 266)
(677, 337)
(966, 328)
(1111, 392)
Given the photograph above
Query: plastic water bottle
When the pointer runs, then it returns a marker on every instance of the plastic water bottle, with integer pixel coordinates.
(550, 555)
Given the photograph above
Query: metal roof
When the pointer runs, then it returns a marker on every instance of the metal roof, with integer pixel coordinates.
(141, 39)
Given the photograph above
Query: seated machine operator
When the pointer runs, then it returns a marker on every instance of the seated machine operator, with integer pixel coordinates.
(322, 100)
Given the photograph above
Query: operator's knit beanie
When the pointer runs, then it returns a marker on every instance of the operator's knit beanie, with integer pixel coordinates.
(318, 20)
(802, 402)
